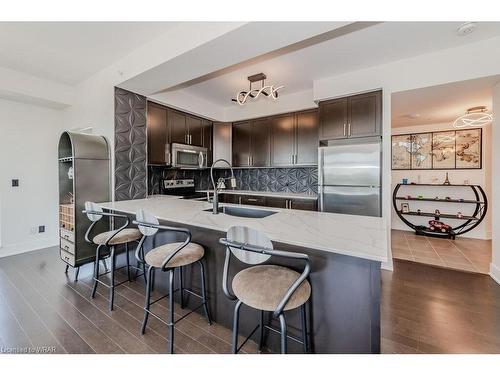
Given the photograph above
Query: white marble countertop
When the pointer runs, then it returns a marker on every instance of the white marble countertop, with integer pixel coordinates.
(264, 194)
(358, 236)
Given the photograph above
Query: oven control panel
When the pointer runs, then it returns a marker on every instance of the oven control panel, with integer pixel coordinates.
(175, 184)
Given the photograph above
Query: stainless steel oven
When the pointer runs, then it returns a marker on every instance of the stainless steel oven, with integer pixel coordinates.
(188, 156)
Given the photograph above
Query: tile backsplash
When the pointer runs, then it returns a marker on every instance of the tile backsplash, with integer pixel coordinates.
(293, 180)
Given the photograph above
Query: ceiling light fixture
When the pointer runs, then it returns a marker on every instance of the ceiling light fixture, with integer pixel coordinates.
(475, 116)
(466, 28)
(268, 91)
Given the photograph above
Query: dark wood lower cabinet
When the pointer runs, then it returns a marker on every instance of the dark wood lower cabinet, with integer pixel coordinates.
(303, 204)
(253, 200)
(275, 202)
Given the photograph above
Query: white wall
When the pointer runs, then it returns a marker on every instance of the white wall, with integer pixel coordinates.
(478, 177)
(495, 177)
(28, 152)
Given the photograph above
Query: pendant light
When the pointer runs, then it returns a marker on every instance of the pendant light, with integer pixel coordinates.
(269, 91)
(475, 116)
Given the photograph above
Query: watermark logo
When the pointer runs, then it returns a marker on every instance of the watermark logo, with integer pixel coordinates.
(27, 350)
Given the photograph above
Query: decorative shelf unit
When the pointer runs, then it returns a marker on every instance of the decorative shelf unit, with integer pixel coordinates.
(464, 224)
(84, 175)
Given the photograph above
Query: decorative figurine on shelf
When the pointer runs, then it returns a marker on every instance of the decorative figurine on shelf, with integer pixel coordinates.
(460, 215)
(437, 213)
(405, 181)
(448, 198)
(420, 197)
(446, 180)
(419, 211)
(408, 197)
(438, 226)
(405, 208)
(437, 198)
(461, 200)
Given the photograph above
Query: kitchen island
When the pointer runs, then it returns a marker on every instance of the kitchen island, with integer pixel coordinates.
(345, 252)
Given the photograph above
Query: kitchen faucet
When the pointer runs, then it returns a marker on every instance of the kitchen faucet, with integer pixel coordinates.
(220, 184)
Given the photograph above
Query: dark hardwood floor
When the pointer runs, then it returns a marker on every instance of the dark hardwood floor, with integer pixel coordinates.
(424, 310)
(427, 309)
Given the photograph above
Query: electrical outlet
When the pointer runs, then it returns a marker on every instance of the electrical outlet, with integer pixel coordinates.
(41, 228)
(15, 182)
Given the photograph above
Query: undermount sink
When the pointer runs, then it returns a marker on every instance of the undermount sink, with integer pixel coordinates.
(243, 212)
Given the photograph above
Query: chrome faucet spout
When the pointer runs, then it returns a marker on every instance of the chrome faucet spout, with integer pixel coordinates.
(215, 199)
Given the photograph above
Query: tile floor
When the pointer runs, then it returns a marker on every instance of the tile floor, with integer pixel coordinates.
(465, 254)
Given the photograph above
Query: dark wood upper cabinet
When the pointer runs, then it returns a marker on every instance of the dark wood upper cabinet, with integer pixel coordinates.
(260, 147)
(157, 132)
(177, 125)
(365, 115)
(283, 140)
(306, 152)
(207, 129)
(194, 130)
(242, 133)
(333, 119)
(351, 117)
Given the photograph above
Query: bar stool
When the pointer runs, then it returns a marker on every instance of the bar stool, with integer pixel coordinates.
(106, 243)
(169, 258)
(265, 287)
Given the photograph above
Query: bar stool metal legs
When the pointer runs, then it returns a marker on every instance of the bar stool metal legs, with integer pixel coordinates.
(170, 322)
(171, 312)
(111, 272)
(283, 333)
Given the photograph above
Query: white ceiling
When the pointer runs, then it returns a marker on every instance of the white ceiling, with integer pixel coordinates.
(378, 44)
(441, 104)
(69, 52)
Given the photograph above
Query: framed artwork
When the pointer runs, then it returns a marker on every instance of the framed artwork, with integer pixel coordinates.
(468, 149)
(421, 151)
(443, 150)
(401, 151)
(451, 149)
(405, 207)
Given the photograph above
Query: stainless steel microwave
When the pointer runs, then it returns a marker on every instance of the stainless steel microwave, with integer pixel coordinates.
(188, 156)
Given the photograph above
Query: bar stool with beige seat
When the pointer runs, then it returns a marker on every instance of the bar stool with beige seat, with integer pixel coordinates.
(265, 287)
(106, 244)
(169, 258)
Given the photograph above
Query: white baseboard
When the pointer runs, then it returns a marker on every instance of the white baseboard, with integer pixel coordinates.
(495, 273)
(25, 247)
(388, 266)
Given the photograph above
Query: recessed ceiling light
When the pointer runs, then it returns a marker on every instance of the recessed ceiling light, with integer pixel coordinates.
(466, 28)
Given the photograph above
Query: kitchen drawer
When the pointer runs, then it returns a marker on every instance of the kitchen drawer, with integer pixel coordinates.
(303, 204)
(67, 246)
(68, 258)
(67, 235)
(253, 200)
(276, 202)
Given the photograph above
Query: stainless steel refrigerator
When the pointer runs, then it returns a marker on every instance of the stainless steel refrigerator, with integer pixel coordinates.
(350, 176)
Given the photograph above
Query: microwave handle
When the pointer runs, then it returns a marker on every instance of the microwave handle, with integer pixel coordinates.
(201, 159)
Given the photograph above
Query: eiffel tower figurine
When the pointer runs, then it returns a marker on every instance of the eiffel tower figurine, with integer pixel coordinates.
(446, 180)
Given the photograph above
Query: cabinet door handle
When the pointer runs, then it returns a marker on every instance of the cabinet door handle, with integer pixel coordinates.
(291, 157)
(239, 200)
(290, 204)
(349, 129)
(344, 130)
(248, 160)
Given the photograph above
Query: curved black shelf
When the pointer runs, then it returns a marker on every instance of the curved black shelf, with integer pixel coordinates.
(470, 222)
